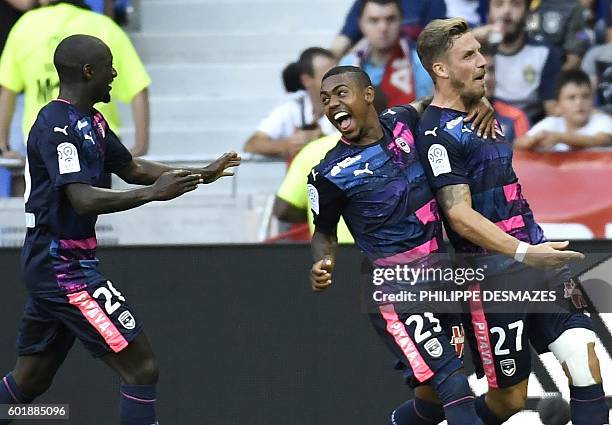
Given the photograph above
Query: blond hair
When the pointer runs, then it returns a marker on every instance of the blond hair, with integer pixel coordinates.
(436, 38)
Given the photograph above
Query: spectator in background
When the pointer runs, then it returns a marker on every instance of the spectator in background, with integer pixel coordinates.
(27, 65)
(299, 120)
(525, 68)
(513, 121)
(473, 11)
(598, 65)
(416, 14)
(578, 126)
(391, 61)
(10, 11)
(597, 18)
(562, 24)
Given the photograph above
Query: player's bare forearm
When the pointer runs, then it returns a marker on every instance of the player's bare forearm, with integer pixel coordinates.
(140, 112)
(323, 245)
(89, 200)
(143, 172)
(421, 104)
(456, 204)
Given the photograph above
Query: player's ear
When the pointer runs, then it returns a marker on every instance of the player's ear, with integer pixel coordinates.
(440, 69)
(88, 71)
(369, 94)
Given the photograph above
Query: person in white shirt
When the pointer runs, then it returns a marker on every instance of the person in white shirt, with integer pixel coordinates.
(577, 126)
(300, 119)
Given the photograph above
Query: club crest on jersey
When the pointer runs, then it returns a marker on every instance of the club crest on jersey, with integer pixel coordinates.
(434, 348)
(402, 144)
(313, 198)
(508, 367)
(127, 320)
(343, 164)
(458, 339)
(68, 158)
(438, 159)
(574, 293)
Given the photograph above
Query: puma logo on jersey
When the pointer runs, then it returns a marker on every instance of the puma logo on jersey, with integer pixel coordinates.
(466, 130)
(432, 132)
(389, 112)
(64, 130)
(366, 170)
(82, 124)
(314, 175)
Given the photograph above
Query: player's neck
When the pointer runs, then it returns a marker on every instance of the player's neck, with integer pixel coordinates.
(448, 98)
(77, 98)
(372, 132)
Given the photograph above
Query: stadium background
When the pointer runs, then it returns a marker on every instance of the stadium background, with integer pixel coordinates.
(239, 336)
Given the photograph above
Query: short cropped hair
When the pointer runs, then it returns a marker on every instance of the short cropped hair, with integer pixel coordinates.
(437, 38)
(363, 4)
(576, 76)
(357, 73)
(305, 62)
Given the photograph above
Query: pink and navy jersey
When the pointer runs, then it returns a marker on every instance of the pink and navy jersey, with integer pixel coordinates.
(453, 154)
(382, 193)
(65, 146)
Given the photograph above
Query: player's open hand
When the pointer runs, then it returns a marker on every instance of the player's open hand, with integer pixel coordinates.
(550, 255)
(320, 274)
(173, 184)
(482, 116)
(218, 168)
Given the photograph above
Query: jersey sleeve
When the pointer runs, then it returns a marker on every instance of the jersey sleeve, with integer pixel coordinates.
(117, 156)
(63, 156)
(327, 202)
(407, 114)
(443, 158)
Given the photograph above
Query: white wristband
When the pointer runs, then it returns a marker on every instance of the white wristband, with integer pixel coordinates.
(521, 250)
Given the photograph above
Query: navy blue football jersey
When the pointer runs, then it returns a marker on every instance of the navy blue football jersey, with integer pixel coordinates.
(65, 146)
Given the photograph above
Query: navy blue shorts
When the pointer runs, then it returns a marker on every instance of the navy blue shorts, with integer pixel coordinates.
(428, 346)
(98, 316)
(500, 341)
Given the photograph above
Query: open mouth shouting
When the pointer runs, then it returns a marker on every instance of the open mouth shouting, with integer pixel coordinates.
(343, 120)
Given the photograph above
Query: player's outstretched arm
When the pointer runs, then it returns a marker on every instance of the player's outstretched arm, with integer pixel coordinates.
(323, 247)
(143, 172)
(89, 200)
(456, 203)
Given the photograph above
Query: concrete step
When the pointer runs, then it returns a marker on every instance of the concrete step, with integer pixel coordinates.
(196, 141)
(230, 48)
(271, 16)
(254, 80)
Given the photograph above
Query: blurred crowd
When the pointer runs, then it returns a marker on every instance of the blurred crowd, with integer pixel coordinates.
(549, 77)
(549, 74)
